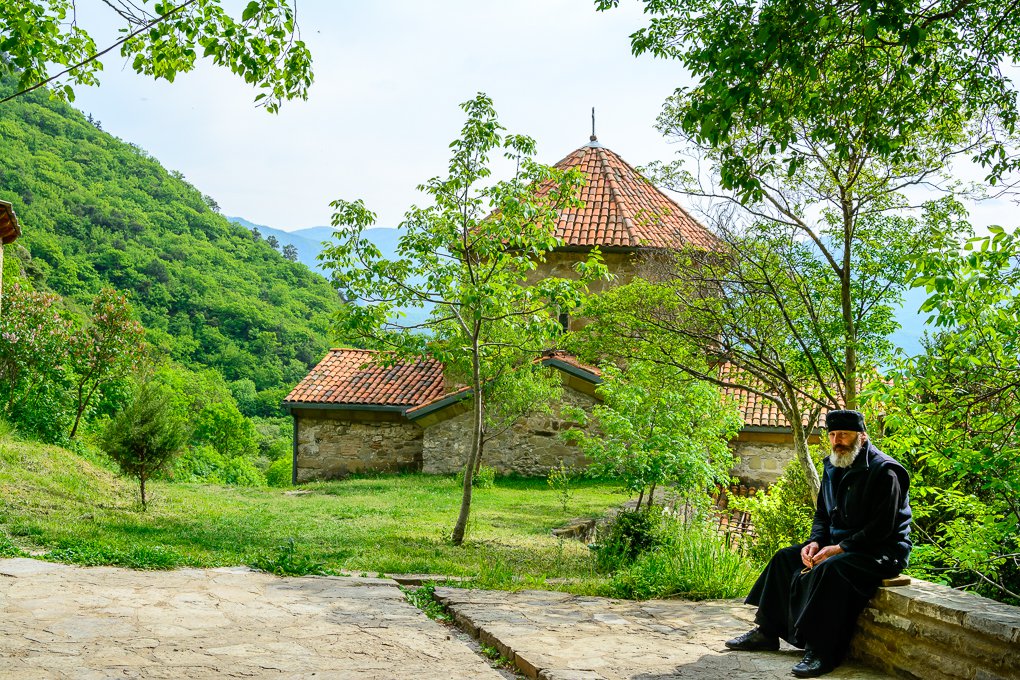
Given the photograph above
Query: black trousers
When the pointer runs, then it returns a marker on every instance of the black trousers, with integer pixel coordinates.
(820, 608)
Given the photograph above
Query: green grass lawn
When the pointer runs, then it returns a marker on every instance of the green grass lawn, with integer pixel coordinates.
(60, 506)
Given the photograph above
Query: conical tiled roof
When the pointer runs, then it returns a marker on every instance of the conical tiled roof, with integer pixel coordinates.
(622, 209)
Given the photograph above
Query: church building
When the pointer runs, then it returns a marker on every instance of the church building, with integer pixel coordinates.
(352, 415)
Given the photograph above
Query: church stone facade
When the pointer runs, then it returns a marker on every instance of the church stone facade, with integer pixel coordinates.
(354, 413)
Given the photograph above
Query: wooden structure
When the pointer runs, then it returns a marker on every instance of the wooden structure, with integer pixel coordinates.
(9, 231)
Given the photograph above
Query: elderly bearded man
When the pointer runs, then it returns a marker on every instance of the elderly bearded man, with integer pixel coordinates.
(810, 595)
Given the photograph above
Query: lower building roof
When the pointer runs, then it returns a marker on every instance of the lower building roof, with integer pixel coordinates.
(9, 227)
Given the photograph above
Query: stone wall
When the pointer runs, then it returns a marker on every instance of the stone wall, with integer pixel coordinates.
(333, 444)
(530, 447)
(932, 632)
(560, 263)
(763, 456)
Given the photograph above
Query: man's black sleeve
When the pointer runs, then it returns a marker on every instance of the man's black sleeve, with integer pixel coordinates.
(820, 526)
(883, 499)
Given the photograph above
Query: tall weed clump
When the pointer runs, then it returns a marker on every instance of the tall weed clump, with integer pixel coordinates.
(690, 560)
(781, 516)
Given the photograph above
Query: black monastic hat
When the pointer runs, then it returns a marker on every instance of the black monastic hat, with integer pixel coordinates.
(845, 420)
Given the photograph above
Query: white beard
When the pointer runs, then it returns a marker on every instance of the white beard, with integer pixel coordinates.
(846, 459)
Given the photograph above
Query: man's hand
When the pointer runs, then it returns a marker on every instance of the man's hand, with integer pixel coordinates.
(825, 553)
(808, 552)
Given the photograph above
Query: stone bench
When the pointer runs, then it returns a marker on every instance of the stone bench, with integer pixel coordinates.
(925, 631)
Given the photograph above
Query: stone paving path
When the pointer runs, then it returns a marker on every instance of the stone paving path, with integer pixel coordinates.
(555, 636)
(58, 621)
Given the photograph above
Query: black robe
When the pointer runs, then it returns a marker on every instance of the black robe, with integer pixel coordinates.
(864, 508)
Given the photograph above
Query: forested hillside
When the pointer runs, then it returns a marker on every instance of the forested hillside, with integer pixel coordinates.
(98, 211)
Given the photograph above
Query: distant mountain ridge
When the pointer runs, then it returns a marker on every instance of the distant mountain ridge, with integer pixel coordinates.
(308, 241)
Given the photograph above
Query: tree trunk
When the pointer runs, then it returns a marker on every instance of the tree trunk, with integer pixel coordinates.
(800, 446)
(141, 480)
(77, 418)
(846, 303)
(473, 456)
(651, 498)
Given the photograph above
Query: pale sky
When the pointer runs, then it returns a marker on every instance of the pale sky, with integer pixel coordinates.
(389, 75)
(383, 109)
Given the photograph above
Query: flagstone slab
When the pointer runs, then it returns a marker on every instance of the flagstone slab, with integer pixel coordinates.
(557, 636)
(66, 622)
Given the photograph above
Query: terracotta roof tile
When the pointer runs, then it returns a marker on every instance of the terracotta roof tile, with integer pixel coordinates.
(9, 229)
(755, 410)
(352, 376)
(622, 209)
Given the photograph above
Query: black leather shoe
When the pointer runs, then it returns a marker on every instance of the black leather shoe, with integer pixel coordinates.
(812, 665)
(754, 641)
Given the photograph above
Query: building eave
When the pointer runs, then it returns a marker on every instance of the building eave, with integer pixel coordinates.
(292, 406)
(575, 371)
(439, 404)
(10, 230)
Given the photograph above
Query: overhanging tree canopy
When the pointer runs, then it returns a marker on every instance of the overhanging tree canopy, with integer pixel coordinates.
(161, 39)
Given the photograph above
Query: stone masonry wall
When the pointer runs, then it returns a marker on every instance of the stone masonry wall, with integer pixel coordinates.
(333, 444)
(529, 448)
(561, 263)
(761, 463)
(931, 632)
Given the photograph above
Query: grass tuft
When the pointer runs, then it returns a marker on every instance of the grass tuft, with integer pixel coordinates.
(424, 598)
(287, 561)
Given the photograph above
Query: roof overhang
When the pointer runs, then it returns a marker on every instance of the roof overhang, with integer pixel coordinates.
(9, 227)
(292, 406)
(573, 370)
(438, 404)
(463, 393)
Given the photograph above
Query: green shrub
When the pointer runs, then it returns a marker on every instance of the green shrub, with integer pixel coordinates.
(693, 562)
(93, 553)
(240, 471)
(200, 464)
(485, 478)
(782, 516)
(623, 538)
(281, 472)
(8, 549)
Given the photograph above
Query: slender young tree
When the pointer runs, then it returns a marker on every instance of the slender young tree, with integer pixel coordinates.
(107, 349)
(146, 435)
(466, 257)
(652, 430)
